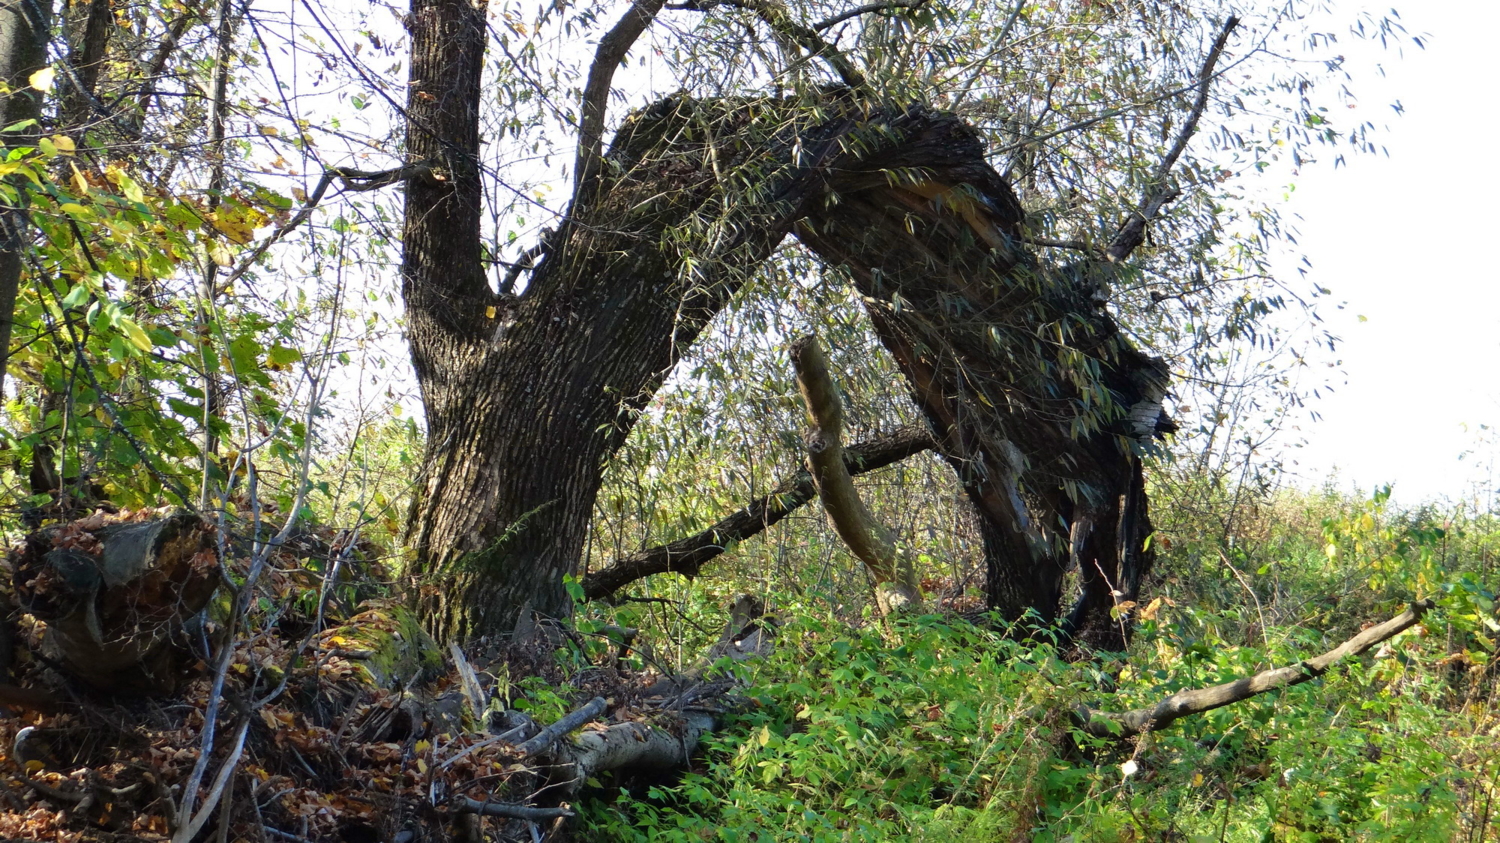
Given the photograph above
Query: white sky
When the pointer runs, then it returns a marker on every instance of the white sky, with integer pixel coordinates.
(1406, 241)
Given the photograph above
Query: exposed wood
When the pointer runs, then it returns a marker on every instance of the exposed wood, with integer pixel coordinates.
(896, 587)
(1186, 703)
(687, 556)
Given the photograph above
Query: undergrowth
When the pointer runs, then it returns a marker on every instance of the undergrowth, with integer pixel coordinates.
(933, 728)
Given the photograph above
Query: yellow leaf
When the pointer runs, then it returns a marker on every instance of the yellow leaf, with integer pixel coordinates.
(1197, 780)
(270, 131)
(220, 254)
(42, 79)
(64, 144)
(134, 333)
(74, 208)
(80, 183)
(489, 312)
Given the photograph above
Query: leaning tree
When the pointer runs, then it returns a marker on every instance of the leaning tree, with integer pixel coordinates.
(1000, 186)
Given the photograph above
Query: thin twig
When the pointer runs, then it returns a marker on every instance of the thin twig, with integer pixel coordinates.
(866, 9)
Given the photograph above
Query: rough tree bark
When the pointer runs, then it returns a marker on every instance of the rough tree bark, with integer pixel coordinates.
(527, 396)
(25, 27)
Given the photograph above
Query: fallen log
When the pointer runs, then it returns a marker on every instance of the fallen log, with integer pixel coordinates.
(1185, 703)
(687, 556)
(116, 593)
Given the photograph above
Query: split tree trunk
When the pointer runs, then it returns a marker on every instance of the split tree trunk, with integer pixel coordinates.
(527, 397)
(1031, 390)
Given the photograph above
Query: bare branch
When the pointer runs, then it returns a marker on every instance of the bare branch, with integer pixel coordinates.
(607, 57)
(350, 180)
(573, 720)
(865, 10)
(510, 810)
(1184, 703)
(688, 555)
(895, 580)
(1133, 232)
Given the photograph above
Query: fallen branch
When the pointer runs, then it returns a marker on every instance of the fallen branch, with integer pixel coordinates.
(574, 720)
(1184, 703)
(687, 556)
(664, 745)
(896, 585)
(510, 810)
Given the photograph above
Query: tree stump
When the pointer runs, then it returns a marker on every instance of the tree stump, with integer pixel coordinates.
(115, 593)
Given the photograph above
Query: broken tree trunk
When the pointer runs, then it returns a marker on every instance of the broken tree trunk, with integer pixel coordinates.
(1185, 703)
(115, 595)
(891, 568)
(1035, 397)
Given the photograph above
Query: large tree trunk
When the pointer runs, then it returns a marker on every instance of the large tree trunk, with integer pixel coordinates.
(526, 397)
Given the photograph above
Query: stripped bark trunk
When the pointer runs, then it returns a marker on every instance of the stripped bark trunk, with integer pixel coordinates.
(895, 579)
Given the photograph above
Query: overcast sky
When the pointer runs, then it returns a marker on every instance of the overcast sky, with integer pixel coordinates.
(1410, 242)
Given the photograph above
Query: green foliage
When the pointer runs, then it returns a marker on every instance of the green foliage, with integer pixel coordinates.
(934, 729)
